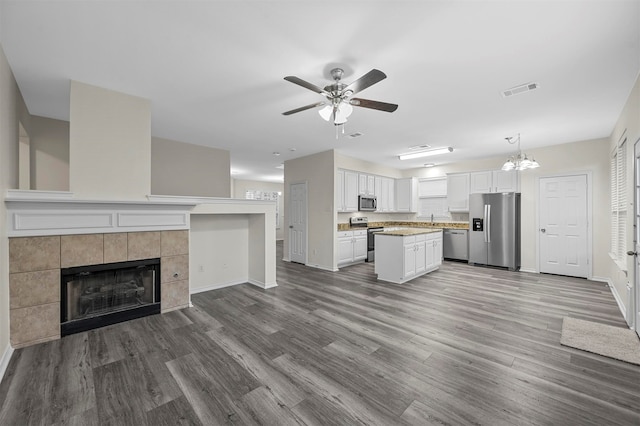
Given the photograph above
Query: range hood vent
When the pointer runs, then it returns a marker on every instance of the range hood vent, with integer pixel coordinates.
(520, 89)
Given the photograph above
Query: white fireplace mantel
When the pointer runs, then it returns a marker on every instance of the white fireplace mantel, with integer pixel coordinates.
(39, 213)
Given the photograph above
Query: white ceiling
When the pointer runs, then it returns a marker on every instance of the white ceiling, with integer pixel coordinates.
(214, 70)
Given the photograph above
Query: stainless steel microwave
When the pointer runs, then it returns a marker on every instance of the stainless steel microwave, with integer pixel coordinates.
(367, 203)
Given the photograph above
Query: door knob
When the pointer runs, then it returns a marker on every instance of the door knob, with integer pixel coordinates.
(632, 253)
(543, 230)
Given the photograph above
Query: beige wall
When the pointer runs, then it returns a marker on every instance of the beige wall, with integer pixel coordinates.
(241, 186)
(10, 99)
(318, 171)
(49, 154)
(109, 144)
(179, 168)
(628, 126)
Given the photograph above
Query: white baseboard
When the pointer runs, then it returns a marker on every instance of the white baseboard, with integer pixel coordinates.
(4, 361)
(324, 268)
(616, 296)
(215, 286)
(262, 285)
(531, 271)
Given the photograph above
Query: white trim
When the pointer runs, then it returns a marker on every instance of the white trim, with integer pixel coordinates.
(231, 284)
(262, 285)
(4, 361)
(21, 194)
(589, 176)
(324, 268)
(216, 286)
(38, 217)
(530, 271)
(616, 296)
(306, 220)
(178, 199)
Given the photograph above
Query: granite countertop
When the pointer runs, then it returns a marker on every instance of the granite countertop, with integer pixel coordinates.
(412, 225)
(407, 232)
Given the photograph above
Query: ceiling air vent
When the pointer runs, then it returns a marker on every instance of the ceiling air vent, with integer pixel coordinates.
(520, 89)
(355, 135)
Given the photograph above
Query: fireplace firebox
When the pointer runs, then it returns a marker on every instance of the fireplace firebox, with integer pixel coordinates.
(98, 295)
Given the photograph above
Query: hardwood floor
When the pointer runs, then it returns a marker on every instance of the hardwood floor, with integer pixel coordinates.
(460, 346)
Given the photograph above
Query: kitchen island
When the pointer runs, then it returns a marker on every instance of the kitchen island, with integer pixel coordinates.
(407, 253)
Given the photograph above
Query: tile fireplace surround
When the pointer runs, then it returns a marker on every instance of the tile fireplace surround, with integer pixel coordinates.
(48, 234)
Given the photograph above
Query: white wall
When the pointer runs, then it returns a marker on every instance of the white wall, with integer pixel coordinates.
(179, 168)
(109, 144)
(241, 186)
(319, 171)
(9, 140)
(218, 251)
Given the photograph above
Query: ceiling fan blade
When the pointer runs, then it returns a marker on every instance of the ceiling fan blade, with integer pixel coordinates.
(306, 84)
(366, 103)
(293, 111)
(369, 79)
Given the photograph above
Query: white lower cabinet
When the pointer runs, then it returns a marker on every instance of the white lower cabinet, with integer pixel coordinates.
(352, 247)
(402, 258)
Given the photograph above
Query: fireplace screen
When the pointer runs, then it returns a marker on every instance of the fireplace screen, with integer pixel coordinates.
(97, 295)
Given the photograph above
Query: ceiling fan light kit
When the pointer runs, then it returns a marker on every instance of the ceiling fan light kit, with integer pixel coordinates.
(339, 107)
(519, 161)
(420, 154)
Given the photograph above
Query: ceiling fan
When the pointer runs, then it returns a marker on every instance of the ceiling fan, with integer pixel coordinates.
(338, 94)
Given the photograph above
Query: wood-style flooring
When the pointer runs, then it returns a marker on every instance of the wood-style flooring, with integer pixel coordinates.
(460, 346)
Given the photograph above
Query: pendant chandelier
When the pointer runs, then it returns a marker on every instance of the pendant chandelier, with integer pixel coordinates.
(520, 161)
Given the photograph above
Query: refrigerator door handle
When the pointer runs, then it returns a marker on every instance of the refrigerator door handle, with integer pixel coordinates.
(484, 225)
(488, 223)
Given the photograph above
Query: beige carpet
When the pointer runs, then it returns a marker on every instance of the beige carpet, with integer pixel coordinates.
(613, 342)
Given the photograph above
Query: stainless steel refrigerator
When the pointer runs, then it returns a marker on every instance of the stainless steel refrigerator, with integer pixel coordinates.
(494, 230)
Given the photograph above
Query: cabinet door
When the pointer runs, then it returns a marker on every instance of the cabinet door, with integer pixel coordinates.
(359, 247)
(506, 181)
(406, 194)
(437, 251)
(409, 260)
(429, 253)
(345, 250)
(340, 190)
(362, 184)
(421, 257)
(458, 192)
(390, 186)
(371, 185)
(481, 182)
(350, 191)
(379, 194)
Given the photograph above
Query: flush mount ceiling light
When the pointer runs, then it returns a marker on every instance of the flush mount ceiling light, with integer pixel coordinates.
(519, 161)
(420, 154)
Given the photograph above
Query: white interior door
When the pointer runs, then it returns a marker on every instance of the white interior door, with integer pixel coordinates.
(563, 231)
(298, 223)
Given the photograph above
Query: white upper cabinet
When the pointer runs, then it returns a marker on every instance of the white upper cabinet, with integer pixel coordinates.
(406, 195)
(494, 181)
(506, 181)
(481, 182)
(366, 184)
(458, 192)
(346, 191)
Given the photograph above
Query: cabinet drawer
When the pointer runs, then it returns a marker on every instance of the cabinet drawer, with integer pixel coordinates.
(421, 238)
(345, 234)
(409, 240)
(359, 233)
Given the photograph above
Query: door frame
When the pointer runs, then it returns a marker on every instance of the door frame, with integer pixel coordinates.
(634, 321)
(306, 221)
(588, 174)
